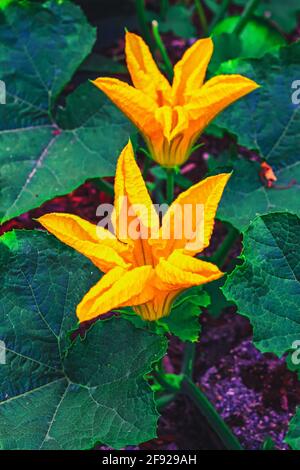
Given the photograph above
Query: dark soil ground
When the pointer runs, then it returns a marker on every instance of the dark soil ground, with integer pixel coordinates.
(254, 393)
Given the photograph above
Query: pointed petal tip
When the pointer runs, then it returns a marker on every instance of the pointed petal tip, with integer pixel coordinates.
(127, 154)
(224, 177)
(129, 36)
(46, 217)
(98, 83)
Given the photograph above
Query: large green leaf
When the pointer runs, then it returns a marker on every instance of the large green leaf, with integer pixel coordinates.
(266, 287)
(269, 122)
(53, 397)
(246, 196)
(41, 46)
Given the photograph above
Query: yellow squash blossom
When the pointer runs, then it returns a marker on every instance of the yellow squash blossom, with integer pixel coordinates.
(145, 273)
(172, 117)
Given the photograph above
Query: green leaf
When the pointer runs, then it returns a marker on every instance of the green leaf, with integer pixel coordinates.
(268, 444)
(5, 3)
(218, 300)
(267, 121)
(41, 46)
(226, 47)
(283, 13)
(266, 287)
(183, 320)
(53, 399)
(253, 197)
(179, 21)
(257, 38)
(293, 436)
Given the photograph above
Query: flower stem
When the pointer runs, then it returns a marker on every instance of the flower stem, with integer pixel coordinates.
(221, 254)
(188, 358)
(162, 49)
(247, 13)
(210, 413)
(142, 18)
(202, 16)
(170, 185)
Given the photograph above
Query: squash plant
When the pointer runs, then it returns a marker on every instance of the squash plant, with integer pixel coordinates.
(72, 383)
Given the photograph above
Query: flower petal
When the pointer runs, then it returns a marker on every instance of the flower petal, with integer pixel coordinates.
(118, 288)
(182, 271)
(132, 195)
(144, 72)
(189, 72)
(96, 243)
(189, 221)
(173, 121)
(216, 94)
(135, 104)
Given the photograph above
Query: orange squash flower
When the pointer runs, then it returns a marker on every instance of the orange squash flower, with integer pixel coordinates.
(172, 117)
(145, 273)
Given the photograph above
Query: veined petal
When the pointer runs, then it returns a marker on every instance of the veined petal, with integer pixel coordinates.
(218, 93)
(158, 307)
(189, 72)
(132, 200)
(164, 116)
(118, 288)
(143, 70)
(181, 122)
(96, 243)
(194, 265)
(182, 271)
(173, 121)
(189, 221)
(135, 104)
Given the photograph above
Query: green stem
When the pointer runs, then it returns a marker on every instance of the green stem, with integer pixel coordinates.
(164, 6)
(170, 184)
(188, 359)
(164, 400)
(210, 413)
(104, 186)
(220, 14)
(202, 16)
(247, 13)
(142, 18)
(221, 254)
(162, 50)
(159, 377)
